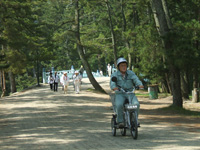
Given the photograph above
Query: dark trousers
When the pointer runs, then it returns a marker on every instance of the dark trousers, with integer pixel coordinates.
(51, 86)
(55, 86)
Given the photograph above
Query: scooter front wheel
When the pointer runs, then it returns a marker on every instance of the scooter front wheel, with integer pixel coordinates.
(123, 131)
(113, 122)
(134, 126)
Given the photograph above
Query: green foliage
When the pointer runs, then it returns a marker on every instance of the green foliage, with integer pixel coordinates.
(184, 53)
(3, 63)
(42, 34)
(24, 81)
(17, 66)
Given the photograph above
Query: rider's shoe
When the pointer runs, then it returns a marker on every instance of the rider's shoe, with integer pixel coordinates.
(121, 125)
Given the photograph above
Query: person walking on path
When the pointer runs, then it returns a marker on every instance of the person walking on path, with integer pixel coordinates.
(65, 82)
(50, 81)
(109, 69)
(61, 81)
(56, 80)
(101, 73)
(81, 70)
(77, 82)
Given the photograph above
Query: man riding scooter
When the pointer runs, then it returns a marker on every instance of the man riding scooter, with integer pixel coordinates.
(127, 80)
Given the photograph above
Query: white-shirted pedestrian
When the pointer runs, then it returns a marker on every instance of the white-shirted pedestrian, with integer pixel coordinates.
(65, 82)
(50, 81)
(109, 69)
(77, 82)
(56, 80)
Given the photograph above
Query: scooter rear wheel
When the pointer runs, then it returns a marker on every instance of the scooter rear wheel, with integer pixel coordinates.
(113, 122)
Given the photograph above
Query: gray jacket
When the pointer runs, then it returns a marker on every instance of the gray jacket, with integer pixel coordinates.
(127, 83)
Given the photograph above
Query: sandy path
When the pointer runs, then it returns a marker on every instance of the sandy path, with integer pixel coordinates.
(43, 119)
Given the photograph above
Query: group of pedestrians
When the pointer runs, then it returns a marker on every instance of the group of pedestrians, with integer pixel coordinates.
(53, 81)
(64, 80)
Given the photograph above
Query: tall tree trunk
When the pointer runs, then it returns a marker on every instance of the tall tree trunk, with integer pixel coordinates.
(164, 87)
(12, 82)
(3, 83)
(196, 45)
(195, 79)
(38, 73)
(168, 83)
(81, 53)
(38, 69)
(164, 26)
(188, 81)
(127, 44)
(112, 33)
(1, 80)
(135, 22)
(167, 76)
(184, 86)
(176, 87)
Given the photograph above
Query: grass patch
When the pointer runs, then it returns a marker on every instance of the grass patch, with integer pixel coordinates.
(91, 90)
(180, 111)
(163, 95)
(146, 95)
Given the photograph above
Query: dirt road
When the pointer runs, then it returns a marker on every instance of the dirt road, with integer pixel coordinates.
(40, 119)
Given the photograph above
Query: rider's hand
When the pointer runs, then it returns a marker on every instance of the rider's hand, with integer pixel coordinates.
(116, 89)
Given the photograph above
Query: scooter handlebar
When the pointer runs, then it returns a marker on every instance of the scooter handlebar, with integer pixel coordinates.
(114, 79)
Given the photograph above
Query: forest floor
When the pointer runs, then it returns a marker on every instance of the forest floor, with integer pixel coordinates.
(40, 119)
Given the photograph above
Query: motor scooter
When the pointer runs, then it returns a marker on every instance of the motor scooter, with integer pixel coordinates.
(129, 114)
